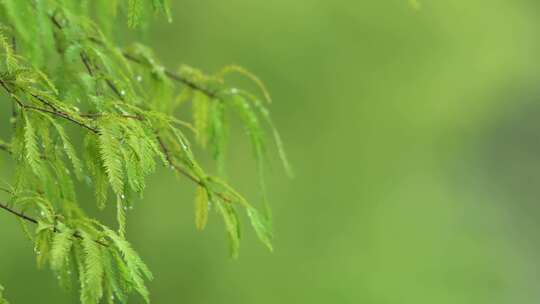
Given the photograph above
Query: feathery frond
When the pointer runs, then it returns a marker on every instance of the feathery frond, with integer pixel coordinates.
(201, 208)
(90, 114)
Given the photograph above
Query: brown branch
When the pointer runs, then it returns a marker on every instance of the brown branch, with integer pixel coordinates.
(174, 165)
(184, 172)
(114, 89)
(97, 115)
(176, 77)
(5, 147)
(171, 75)
(86, 62)
(44, 101)
(19, 214)
(34, 221)
(56, 22)
(63, 115)
(53, 112)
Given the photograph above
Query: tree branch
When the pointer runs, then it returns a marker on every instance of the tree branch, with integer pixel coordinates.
(97, 115)
(5, 147)
(63, 115)
(176, 77)
(53, 112)
(19, 214)
(34, 221)
(184, 172)
(91, 72)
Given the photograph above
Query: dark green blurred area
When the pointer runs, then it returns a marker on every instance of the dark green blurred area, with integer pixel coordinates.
(415, 137)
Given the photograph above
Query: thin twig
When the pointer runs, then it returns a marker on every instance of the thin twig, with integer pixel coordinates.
(184, 172)
(97, 115)
(175, 77)
(5, 148)
(17, 213)
(86, 62)
(34, 221)
(44, 101)
(63, 115)
(53, 112)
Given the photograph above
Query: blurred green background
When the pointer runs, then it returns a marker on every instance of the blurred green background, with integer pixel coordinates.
(415, 137)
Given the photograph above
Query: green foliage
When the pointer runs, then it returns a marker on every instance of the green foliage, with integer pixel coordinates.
(261, 227)
(8, 53)
(232, 224)
(201, 208)
(2, 300)
(134, 12)
(92, 290)
(111, 154)
(201, 107)
(121, 104)
(61, 247)
(31, 146)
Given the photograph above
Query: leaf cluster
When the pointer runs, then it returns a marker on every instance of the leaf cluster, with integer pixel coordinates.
(88, 113)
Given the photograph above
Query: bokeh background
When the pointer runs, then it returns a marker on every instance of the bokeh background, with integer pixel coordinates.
(415, 137)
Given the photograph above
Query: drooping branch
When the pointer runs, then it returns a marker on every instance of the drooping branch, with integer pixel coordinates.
(121, 150)
(164, 148)
(168, 73)
(66, 116)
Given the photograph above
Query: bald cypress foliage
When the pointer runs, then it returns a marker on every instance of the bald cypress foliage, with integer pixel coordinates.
(87, 112)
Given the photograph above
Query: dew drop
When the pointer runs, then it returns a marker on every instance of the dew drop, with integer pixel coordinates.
(122, 92)
(122, 196)
(138, 78)
(234, 91)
